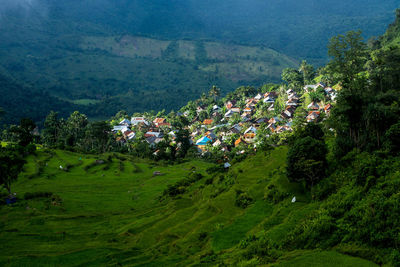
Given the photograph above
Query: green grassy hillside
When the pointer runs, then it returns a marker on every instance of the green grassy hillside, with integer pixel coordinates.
(116, 212)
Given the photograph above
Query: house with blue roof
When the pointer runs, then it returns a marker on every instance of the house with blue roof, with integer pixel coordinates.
(203, 141)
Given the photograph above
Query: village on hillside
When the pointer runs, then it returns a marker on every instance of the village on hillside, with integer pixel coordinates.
(240, 122)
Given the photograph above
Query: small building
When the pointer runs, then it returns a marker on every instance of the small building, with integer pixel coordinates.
(236, 110)
(229, 114)
(120, 128)
(272, 127)
(139, 120)
(155, 134)
(200, 109)
(235, 129)
(289, 91)
(125, 122)
(130, 136)
(203, 142)
(313, 116)
(271, 108)
(217, 143)
(313, 106)
(248, 111)
(230, 104)
(208, 122)
(258, 97)
(327, 108)
(158, 122)
(250, 134)
(274, 120)
(239, 142)
(216, 108)
(292, 102)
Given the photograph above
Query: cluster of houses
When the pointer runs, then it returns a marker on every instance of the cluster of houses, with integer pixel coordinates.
(236, 123)
(154, 131)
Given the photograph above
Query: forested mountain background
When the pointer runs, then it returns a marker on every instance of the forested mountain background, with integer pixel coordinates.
(106, 55)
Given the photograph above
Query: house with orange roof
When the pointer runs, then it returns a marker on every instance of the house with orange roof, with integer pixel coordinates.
(327, 108)
(158, 122)
(313, 116)
(239, 142)
(208, 122)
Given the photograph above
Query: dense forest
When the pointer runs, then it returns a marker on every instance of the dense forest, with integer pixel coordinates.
(95, 54)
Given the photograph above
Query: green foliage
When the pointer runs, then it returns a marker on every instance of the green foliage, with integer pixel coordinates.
(392, 139)
(33, 195)
(180, 187)
(24, 132)
(215, 169)
(306, 160)
(367, 105)
(10, 166)
(349, 54)
(243, 200)
(292, 77)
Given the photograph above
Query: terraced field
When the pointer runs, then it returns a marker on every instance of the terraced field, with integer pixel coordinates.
(108, 210)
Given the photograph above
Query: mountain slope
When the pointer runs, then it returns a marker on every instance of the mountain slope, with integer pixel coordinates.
(119, 212)
(22, 102)
(44, 44)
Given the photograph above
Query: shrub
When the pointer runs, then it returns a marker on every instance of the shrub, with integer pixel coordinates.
(202, 236)
(30, 149)
(273, 194)
(215, 169)
(34, 195)
(209, 181)
(243, 200)
(195, 176)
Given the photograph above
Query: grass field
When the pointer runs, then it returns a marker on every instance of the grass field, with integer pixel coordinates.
(109, 210)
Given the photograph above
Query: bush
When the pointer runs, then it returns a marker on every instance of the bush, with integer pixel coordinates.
(392, 139)
(30, 149)
(195, 176)
(202, 236)
(323, 189)
(273, 194)
(215, 169)
(209, 181)
(34, 195)
(243, 200)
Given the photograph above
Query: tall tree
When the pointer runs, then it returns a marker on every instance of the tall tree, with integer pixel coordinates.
(10, 166)
(76, 124)
(308, 72)
(52, 129)
(306, 160)
(98, 136)
(24, 131)
(292, 77)
(349, 55)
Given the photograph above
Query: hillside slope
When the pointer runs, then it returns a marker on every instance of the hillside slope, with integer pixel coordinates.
(112, 210)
